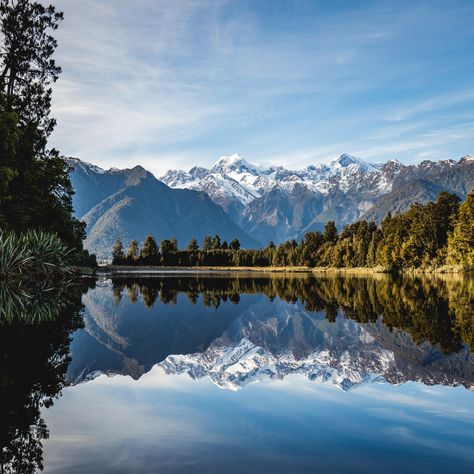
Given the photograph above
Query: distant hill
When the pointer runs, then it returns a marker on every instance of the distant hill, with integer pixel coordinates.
(132, 203)
(422, 184)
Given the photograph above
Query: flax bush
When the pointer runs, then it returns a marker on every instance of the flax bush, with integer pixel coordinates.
(32, 252)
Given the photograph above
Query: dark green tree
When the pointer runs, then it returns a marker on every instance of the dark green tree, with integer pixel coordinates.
(216, 242)
(133, 251)
(234, 244)
(461, 240)
(174, 244)
(207, 243)
(36, 191)
(330, 232)
(193, 246)
(149, 252)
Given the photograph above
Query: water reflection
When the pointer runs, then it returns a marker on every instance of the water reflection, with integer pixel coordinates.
(230, 330)
(240, 329)
(36, 322)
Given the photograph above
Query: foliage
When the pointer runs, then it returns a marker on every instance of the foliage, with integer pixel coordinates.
(435, 310)
(35, 189)
(425, 236)
(461, 240)
(33, 251)
(35, 357)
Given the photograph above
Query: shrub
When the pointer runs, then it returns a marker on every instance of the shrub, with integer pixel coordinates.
(33, 252)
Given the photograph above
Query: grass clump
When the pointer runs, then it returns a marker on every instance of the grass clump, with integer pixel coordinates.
(33, 252)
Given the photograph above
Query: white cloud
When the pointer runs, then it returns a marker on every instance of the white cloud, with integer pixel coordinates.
(180, 83)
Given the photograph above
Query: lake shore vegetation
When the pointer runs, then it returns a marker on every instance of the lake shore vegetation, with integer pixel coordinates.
(438, 236)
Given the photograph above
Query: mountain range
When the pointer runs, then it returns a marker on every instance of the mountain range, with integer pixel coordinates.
(274, 203)
(256, 204)
(131, 204)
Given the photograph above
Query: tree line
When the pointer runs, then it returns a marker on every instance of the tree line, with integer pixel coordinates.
(427, 235)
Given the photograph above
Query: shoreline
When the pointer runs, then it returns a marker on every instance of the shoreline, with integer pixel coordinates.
(148, 269)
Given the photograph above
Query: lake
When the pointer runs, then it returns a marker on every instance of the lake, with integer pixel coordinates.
(238, 373)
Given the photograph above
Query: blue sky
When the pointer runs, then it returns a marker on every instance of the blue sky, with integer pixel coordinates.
(175, 83)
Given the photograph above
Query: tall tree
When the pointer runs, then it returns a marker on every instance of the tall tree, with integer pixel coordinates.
(35, 188)
(149, 252)
(216, 242)
(330, 232)
(461, 241)
(207, 243)
(133, 251)
(174, 244)
(117, 252)
(234, 244)
(193, 246)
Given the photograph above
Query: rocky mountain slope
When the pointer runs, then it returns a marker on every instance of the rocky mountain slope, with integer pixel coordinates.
(273, 203)
(132, 203)
(255, 204)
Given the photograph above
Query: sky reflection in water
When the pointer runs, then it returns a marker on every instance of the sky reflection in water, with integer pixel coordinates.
(152, 421)
(165, 423)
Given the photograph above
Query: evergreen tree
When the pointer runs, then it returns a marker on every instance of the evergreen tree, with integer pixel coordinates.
(216, 242)
(371, 259)
(174, 244)
(234, 245)
(193, 246)
(133, 251)
(207, 243)
(149, 252)
(461, 240)
(117, 253)
(35, 188)
(330, 232)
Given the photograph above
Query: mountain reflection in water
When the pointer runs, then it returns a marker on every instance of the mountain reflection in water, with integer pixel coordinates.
(239, 329)
(232, 330)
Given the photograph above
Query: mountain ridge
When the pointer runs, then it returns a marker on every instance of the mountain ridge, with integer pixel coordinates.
(262, 204)
(132, 203)
(275, 203)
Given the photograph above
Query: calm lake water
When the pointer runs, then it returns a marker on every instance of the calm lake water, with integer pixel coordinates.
(238, 374)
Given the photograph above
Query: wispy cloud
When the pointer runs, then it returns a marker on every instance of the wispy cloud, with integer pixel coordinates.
(440, 102)
(183, 82)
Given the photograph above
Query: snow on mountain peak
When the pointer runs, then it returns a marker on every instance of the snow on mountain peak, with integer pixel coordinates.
(345, 160)
(85, 166)
(233, 182)
(243, 362)
(351, 163)
(234, 163)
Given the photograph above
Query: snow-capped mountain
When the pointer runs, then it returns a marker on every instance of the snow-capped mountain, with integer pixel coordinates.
(260, 203)
(274, 203)
(232, 177)
(131, 204)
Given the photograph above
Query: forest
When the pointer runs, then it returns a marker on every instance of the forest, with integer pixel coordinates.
(429, 235)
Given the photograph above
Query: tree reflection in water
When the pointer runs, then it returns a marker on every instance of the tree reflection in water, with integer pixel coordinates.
(438, 310)
(36, 322)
